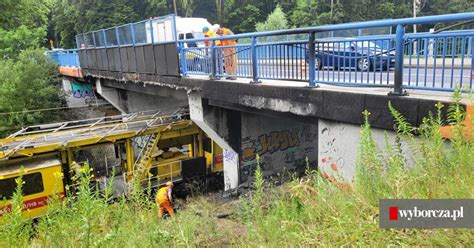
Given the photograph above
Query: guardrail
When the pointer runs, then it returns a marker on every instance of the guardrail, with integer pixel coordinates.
(454, 45)
(145, 47)
(151, 31)
(439, 61)
(69, 58)
(399, 61)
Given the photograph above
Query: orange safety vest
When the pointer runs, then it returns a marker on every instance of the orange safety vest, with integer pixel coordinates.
(210, 34)
(162, 195)
(228, 42)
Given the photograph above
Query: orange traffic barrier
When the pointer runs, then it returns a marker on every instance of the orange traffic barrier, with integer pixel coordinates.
(447, 132)
(70, 71)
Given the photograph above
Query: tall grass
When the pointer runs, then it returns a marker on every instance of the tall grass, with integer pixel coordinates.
(312, 211)
(91, 219)
(15, 232)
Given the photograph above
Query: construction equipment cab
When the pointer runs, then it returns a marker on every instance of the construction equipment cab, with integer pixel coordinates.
(42, 180)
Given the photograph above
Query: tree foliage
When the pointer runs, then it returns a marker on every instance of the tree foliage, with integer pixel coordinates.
(275, 21)
(26, 83)
(32, 13)
(23, 25)
(28, 79)
(12, 42)
(303, 13)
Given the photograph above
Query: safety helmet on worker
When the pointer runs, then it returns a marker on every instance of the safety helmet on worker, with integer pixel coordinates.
(205, 29)
(215, 27)
(169, 184)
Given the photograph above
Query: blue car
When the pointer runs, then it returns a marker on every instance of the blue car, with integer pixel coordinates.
(362, 55)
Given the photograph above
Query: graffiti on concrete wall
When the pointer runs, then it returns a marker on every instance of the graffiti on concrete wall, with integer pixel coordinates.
(270, 142)
(229, 155)
(231, 161)
(281, 144)
(339, 144)
(79, 94)
(82, 90)
(329, 154)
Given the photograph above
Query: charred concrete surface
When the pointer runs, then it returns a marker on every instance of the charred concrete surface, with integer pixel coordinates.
(290, 126)
(285, 146)
(224, 127)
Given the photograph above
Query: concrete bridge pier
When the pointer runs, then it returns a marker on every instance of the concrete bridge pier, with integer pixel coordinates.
(285, 143)
(112, 95)
(222, 127)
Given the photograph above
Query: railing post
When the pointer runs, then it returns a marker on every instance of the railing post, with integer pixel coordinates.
(184, 65)
(213, 60)
(253, 47)
(76, 56)
(175, 36)
(398, 84)
(151, 32)
(117, 36)
(132, 31)
(93, 39)
(78, 43)
(311, 60)
(105, 38)
(84, 40)
(469, 46)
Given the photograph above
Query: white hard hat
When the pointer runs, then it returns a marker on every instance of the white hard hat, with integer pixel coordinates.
(215, 27)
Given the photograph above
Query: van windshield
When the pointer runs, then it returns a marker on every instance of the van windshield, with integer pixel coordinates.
(198, 35)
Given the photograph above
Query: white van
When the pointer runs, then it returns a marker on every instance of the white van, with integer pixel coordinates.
(191, 28)
(186, 29)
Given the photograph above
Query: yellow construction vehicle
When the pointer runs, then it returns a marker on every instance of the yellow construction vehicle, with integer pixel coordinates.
(170, 148)
(42, 180)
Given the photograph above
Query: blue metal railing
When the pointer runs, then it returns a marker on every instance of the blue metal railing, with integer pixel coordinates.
(439, 61)
(68, 58)
(436, 61)
(154, 30)
(453, 46)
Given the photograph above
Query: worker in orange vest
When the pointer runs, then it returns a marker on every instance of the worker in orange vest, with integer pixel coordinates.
(210, 34)
(229, 53)
(164, 201)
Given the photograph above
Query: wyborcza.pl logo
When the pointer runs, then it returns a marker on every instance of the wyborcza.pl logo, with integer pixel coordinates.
(410, 214)
(435, 213)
